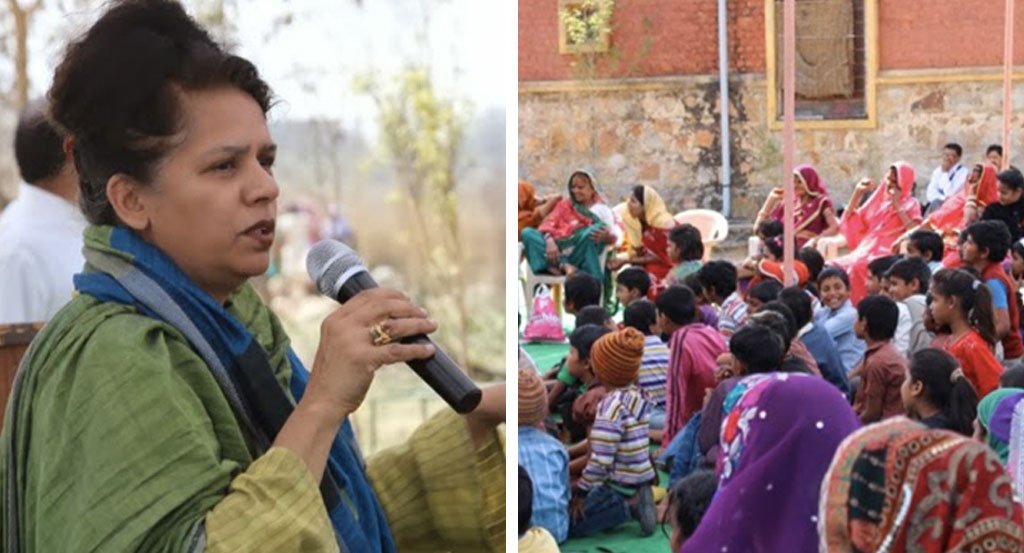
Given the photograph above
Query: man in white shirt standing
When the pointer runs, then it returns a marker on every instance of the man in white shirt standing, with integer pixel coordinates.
(40, 231)
(947, 179)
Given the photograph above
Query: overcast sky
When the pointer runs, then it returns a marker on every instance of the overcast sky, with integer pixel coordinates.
(310, 63)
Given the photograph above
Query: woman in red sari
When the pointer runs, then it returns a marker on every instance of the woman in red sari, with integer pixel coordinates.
(959, 211)
(871, 229)
(647, 222)
(813, 214)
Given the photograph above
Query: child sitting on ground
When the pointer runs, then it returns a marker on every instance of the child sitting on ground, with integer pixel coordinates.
(708, 313)
(927, 245)
(883, 369)
(632, 284)
(719, 282)
(532, 539)
(595, 315)
(762, 293)
(581, 290)
(839, 316)
(693, 350)
(570, 381)
(643, 316)
(964, 303)
(878, 284)
(936, 393)
(688, 501)
(685, 250)
(544, 458)
(908, 281)
(617, 479)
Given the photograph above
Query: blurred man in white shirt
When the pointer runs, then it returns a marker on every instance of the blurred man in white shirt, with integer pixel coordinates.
(947, 179)
(40, 231)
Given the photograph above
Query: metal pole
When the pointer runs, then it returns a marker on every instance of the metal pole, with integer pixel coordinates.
(788, 132)
(723, 86)
(1007, 82)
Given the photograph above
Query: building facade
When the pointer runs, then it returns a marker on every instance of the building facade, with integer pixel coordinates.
(877, 81)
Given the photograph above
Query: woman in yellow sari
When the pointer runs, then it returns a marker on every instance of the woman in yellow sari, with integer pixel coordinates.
(647, 223)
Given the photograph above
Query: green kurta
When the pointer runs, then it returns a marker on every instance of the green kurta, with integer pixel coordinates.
(125, 442)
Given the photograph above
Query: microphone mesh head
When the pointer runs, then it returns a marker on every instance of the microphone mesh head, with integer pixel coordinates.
(327, 262)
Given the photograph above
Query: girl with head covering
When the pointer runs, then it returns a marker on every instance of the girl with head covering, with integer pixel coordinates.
(813, 215)
(959, 211)
(995, 412)
(575, 234)
(869, 230)
(899, 487)
(777, 441)
(647, 222)
(1015, 463)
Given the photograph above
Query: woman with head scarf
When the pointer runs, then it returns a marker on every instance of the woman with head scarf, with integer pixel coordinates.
(647, 222)
(959, 211)
(869, 230)
(995, 412)
(575, 234)
(897, 486)
(777, 441)
(813, 215)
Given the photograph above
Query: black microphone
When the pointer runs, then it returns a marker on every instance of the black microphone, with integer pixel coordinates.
(339, 273)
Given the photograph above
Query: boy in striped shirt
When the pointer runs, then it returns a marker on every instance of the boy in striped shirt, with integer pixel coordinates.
(643, 316)
(616, 483)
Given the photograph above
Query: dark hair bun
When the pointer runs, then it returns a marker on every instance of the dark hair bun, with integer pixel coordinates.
(117, 91)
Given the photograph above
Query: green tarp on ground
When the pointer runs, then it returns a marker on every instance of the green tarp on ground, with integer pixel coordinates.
(546, 355)
(625, 538)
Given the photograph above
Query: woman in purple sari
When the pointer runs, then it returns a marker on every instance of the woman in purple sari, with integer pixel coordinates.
(777, 442)
(813, 215)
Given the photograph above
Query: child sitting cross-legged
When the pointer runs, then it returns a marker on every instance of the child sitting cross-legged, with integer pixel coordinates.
(616, 483)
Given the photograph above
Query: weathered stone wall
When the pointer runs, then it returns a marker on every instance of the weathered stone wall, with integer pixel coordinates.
(665, 133)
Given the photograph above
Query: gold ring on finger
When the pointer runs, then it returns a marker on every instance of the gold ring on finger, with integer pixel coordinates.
(380, 333)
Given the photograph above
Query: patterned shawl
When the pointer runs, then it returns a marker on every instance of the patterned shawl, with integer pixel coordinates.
(777, 440)
(569, 216)
(897, 487)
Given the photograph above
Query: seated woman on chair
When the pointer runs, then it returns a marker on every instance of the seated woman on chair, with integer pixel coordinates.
(870, 229)
(647, 223)
(574, 236)
(813, 214)
(959, 211)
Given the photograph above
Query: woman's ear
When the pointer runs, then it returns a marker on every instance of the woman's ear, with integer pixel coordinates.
(125, 196)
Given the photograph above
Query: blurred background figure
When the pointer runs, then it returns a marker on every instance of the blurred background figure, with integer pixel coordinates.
(40, 231)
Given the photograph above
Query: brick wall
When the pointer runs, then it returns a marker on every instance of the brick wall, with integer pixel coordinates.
(683, 35)
(913, 34)
(919, 34)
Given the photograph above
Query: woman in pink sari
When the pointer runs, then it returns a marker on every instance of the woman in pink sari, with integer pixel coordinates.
(871, 228)
(959, 211)
(813, 214)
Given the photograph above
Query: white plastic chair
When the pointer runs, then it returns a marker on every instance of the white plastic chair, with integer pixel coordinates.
(555, 282)
(713, 226)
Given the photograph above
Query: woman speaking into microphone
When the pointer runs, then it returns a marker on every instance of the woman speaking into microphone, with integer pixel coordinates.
(162, 409)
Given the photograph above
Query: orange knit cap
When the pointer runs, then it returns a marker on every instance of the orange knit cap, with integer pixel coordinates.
(616, 357)
(533, 398)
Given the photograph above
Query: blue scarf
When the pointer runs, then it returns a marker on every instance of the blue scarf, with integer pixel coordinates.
(128, 270)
